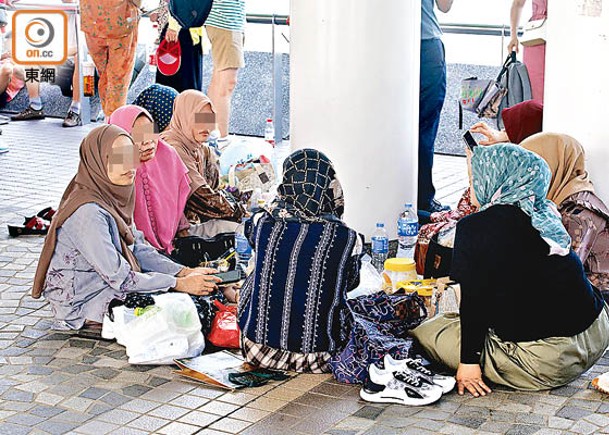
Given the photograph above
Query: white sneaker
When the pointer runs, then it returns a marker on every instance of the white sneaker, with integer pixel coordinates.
(447, 383)
(404, 389)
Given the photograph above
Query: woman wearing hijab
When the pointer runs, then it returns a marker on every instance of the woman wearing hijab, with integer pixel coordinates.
(211, 210)
(584, 214)
(292, 310)
(92, 254)
(520, 121)
(529, 319)
(158, 101)
(161, 182)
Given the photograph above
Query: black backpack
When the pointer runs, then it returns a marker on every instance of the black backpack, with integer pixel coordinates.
(190, 13)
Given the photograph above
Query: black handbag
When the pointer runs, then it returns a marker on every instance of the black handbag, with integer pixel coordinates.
(191, 251)
(437, 260)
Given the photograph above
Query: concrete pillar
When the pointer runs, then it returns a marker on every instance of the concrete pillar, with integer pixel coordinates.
(576, 87)
(354, 67)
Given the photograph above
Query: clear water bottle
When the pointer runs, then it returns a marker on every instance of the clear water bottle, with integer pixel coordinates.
(408, 230)
(152, 59)
(380, 247)
(269, 132)
(243, 248)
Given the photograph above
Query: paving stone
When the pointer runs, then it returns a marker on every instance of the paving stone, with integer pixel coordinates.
(128, 431)
(432, 414)
(177, 428)
(428, 425)
(25, 419)
(470, 422)
(523, 429)
(157, 381)
(496, 427)
(199, 418)
(97, 428)
(105, 373)
(559, 423)
(119, 416)
(94, 393)
(14, 429)
(17, 395)
(583, 427)
(115, 399)
(591, 405)
(136, 390)
(230, 425)
(573, 413)
(566, 391)
(368, 412)
(98, 408)
(139, 405)
(148, 423)
(46, 411)
(189, 401)
(249, 414)
(168, 412)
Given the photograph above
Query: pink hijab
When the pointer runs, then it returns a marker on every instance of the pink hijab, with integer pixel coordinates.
(161, 186)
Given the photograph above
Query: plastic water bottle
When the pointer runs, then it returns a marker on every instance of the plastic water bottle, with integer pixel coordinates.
(380, 247)
(243, 248)
(269, 132)
(256, 196)
(408, 230)
(152, 60)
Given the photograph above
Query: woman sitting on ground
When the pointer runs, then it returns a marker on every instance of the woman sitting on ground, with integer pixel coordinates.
(529, 318)
(293, 309)
(161, 183)
(158, 101)
(92, 253)
(584, 214)
(209, 209)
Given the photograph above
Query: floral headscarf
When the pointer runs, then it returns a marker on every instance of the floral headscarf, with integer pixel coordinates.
(507, 174)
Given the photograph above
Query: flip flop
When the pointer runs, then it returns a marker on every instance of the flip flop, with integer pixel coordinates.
(34, 226)
(45, 214)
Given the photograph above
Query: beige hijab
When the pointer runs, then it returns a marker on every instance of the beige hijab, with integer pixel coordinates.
(566, 159)
(92, 185)
(198, 158)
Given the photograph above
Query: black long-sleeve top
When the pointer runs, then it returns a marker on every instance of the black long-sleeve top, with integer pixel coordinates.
(510, 284)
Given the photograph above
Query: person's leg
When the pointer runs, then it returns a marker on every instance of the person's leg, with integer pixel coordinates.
(119, 72)
(431, 100)
(99, 51)
(72, 118)
(227, 57)
(6, 72)
(220, 91)
(440, 337)
(34, 110)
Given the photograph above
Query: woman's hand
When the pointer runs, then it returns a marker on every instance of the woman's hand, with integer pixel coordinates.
(197, 284)
(198, 270)
(492, 136)
(171, 35)
(513, 44)
(469, 377)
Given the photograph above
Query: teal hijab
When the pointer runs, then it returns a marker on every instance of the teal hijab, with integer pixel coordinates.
(507, 174)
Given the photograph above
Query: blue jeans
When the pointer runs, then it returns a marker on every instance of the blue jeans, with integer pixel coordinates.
(431, 100)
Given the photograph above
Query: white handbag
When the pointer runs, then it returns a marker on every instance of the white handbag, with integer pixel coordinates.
(534, 33)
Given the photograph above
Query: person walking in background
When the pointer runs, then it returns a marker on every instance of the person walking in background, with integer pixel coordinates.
(110, 28)
(534, 56)
(190, 73)
(225, 26)
(431, 99)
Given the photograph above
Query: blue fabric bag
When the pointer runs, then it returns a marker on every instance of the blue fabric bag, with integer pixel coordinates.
(380, 325)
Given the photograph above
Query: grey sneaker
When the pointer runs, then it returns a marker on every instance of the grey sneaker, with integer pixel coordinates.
(72, 119)
(28, 114)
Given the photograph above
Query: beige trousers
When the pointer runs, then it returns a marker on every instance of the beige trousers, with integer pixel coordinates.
(528, 365)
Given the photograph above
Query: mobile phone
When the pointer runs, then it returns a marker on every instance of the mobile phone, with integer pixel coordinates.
(229, 277)
(469, 140)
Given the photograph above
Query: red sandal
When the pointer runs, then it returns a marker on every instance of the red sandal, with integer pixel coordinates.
(46, 214)
(32, 226)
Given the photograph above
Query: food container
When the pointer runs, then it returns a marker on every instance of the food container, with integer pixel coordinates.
(88, 77)
(425, 288)
(398, 270)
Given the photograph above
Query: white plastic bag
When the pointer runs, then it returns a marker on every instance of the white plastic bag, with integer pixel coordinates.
(168, 330)
(370, 281)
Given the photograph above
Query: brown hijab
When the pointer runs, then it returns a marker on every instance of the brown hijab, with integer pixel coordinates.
(198, 158)
(92, 185)
(566, 159)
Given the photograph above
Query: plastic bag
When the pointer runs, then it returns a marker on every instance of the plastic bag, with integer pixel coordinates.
(370, 280)
(224, 329)
(167, 330)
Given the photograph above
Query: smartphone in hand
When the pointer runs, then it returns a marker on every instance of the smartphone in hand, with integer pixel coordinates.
(229, 277)
(469, 140)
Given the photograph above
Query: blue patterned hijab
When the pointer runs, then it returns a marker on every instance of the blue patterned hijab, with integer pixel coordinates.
(158, 100)
(510, 175)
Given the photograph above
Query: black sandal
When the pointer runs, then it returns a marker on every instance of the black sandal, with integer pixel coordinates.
(34, 226)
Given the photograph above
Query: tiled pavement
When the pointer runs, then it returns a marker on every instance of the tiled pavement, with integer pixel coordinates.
(57, 383)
